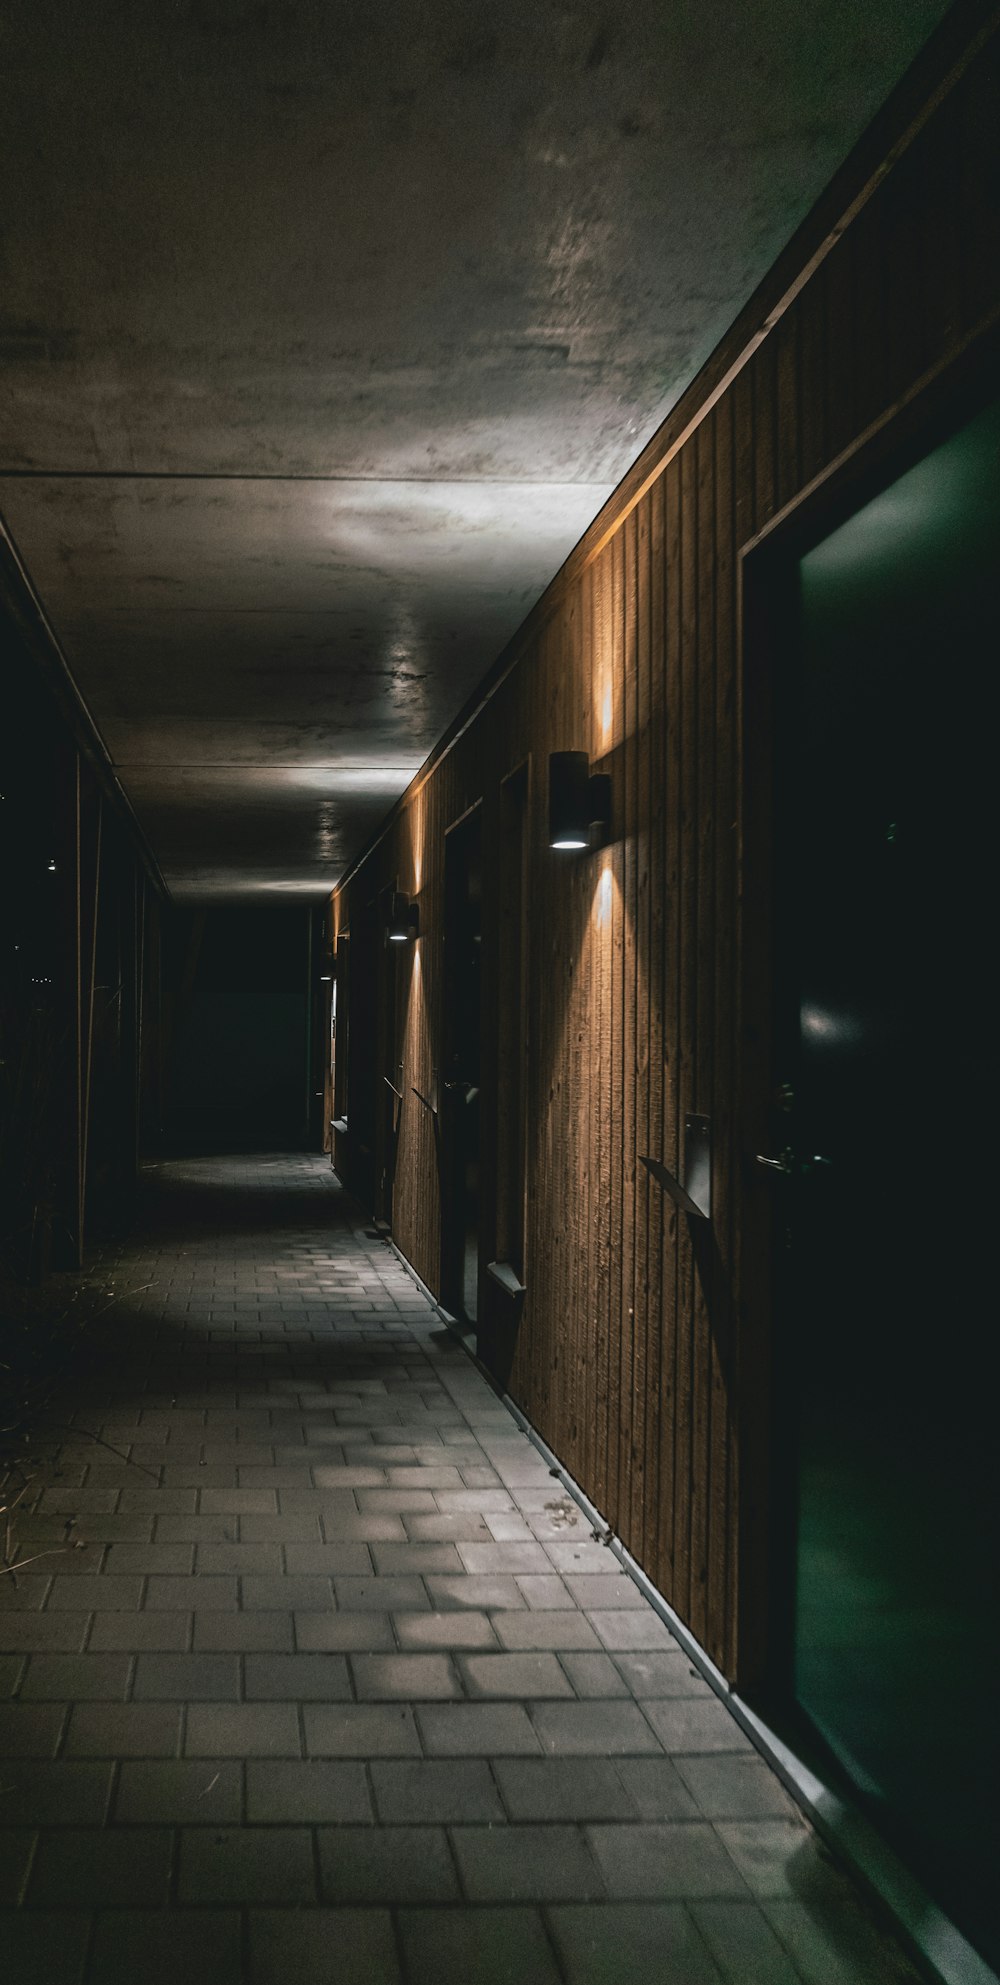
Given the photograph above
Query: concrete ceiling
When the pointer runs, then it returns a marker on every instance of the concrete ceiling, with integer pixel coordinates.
(325, 331)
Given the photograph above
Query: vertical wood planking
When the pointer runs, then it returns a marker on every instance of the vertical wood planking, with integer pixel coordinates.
(656, 963)
(640, 1353)
(616, 1057)
(641, 1363)
(702, 1090)
(629, 749)
(687, 1019)
(671, 1351)
(724, 1064)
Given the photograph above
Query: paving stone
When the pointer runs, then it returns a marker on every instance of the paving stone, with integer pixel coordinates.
(328, 1475)
(206, 1792)
(141, 1633)
(444, 1527)
(507, 1527)
(239, 1633)
(665, 1861)
(656, 1789)
(28, 1633)
(735, 1787)
(404, 1559)
(143, 1558)
(159, 1501)
(489, 1559)
(272, 1363)
(526, 1864)
(424, 1478)
(597, 1729)
(187, 1678)
(344, 1556)
(297, 1677)
(562, 1789)
(657, 1943)
(280, 1529)
(832, 1945)
(287, 1945)
(490, 1946)
(379, 1594)
(407, 1677)
(46, 1950)
(360, 1730)
(427, 1790)
(394, 1864)
(453, 1501)
(544, 1591)
(197, 1529)
(79, 1677)
(307, 1792)
(631, 1630)
(593, 1675)
(106, 1730)
(200, 1947)
(121, 1865)
(447, 1630)
(605, 1592)
(481, 1594)
(662, 1673)
(362, 1631)
(397, 1502)
(476, 1729)
(55, 1794)
(238, 1502)
(743, 1944)
(779, 1857)
(526, 1675)
(696, 1726)
(555, 1630)
(95, 1595)
(246, 1864)
(261, 1558)
(30, 1730)
(261, 1730)
(17, 1845)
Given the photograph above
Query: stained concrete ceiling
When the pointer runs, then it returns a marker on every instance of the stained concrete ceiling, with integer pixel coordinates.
(325, 331)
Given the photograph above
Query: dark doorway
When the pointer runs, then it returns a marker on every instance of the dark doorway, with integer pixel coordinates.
(887, 1053)
(364, 1074)
(390, 1069)
(460, 1098)
(237, 992)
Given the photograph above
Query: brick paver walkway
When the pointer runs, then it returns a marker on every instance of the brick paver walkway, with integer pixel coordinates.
(343, 1689)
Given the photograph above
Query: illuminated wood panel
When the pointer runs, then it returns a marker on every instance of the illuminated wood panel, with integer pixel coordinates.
(641, 1352)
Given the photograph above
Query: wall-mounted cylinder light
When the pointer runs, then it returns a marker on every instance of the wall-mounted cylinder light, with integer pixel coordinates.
(404, 920)
(579, 802)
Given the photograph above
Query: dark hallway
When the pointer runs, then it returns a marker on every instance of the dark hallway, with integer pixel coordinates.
(499, 513)
(325, 1662)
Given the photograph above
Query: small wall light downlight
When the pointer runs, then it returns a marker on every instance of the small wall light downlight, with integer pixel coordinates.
(404, 920)
(579, 802)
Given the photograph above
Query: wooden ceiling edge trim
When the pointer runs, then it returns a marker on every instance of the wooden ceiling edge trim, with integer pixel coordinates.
(18, 596)
(935, 72)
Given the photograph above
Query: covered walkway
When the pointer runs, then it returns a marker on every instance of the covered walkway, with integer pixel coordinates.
(329, 1680)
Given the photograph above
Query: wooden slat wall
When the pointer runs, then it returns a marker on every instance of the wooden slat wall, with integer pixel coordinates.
(634, 1359)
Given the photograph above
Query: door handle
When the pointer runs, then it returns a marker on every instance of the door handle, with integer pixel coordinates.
(787, 1164)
